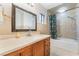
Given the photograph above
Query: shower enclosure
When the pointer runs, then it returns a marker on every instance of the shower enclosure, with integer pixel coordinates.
(66, 25)
(66, 32)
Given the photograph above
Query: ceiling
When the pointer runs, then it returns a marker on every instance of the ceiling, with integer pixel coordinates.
(50, 5)
(61, 7)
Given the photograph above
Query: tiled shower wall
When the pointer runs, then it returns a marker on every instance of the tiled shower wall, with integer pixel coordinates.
(77, 21)
(67, 26)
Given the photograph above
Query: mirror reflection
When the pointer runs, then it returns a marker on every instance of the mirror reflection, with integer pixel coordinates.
(23, 20)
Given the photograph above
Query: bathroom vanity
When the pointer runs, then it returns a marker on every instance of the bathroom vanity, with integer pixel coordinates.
(35, 45)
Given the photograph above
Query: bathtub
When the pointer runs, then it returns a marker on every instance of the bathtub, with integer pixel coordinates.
(64, 47)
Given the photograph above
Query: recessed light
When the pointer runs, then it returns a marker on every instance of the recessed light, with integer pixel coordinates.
(60, 10)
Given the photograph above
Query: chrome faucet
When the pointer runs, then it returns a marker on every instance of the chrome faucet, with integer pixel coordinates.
(29, 32)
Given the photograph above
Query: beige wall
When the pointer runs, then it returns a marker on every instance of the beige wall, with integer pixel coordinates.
(5, 27)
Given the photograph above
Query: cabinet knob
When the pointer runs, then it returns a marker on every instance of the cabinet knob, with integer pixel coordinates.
(19, 54)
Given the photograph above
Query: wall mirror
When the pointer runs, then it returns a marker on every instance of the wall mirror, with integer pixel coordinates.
(23, 20)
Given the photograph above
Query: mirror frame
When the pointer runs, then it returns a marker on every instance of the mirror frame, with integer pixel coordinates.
(14, 19)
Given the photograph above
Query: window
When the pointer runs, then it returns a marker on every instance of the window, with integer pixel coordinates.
(42, 19)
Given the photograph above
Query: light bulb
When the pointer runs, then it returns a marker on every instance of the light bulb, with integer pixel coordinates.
(62, 9)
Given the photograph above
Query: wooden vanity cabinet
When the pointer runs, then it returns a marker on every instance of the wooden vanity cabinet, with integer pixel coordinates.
(26, 51)
(38, 49)
(47, 47)
(41, 48)
(15, 53)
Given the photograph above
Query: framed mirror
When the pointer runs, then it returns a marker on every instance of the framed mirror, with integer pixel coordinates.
(23, 20)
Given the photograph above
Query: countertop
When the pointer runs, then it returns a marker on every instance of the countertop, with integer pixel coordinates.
(8, 45)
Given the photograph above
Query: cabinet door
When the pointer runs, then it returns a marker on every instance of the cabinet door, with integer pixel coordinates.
(13, 54)
(27, 51)
(38, 49)
(47, 47)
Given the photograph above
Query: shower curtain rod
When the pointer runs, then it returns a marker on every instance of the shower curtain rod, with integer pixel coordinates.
(70, 9)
